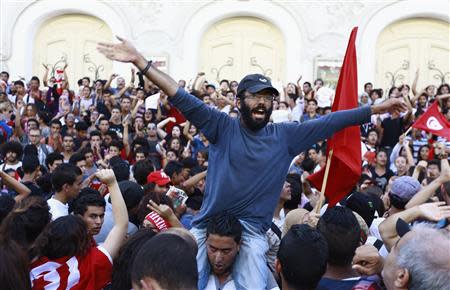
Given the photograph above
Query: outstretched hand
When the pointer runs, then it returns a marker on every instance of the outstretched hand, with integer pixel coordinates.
(434, 211)
(394, 105)
(123, 51)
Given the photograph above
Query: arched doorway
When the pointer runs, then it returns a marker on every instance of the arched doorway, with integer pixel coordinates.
(237, 46)
(72, 38)
(413, 43)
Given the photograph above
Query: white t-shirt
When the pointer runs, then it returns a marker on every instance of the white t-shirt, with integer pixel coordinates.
(28, 99)
(5, 166)
(213, 284)
(279, 116)
(57, 208)
(85, 104)
(226, 109)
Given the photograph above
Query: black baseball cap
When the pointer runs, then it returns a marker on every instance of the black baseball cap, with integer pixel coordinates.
(255, 83)
(132, 193)
(363, 205)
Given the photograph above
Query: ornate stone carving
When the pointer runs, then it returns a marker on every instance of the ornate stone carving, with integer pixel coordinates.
(397, 75)
(265, 71)
(145, 13)
(342, 13)
(440, 75)
(217, 71)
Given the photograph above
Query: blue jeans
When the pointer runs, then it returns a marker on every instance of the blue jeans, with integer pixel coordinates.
(250, 270)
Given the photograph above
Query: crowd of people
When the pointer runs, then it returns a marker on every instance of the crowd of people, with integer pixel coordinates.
(158, 184)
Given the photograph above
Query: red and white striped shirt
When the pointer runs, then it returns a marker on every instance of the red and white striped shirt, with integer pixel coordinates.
(92, 271)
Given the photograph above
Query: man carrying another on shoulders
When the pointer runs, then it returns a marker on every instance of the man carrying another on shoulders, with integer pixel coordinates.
(248, 158)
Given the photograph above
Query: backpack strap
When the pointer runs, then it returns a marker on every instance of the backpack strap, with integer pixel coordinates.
(276, 230)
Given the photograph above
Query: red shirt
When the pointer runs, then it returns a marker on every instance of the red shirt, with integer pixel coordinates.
(92, 271)
(174, 112)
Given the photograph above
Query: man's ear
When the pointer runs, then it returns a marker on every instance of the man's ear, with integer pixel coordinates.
(278, 266)
(238, 103)
(401, 278)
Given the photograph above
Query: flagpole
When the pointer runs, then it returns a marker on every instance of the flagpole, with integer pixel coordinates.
(321, 200)
(407, 131)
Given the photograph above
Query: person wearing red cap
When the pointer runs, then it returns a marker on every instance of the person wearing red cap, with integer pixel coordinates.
(161, 181)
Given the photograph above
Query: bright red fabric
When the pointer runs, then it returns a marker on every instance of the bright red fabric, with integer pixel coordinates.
(345, 167)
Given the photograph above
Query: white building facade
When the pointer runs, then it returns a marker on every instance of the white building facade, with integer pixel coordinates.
(228, 39)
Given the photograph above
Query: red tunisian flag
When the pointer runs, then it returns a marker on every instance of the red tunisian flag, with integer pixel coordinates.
(434, 122)
(345, 167)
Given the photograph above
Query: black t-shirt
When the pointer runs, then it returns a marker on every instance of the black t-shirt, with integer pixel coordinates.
(45, 184)
(35, 190)
(195, 200)
(364, 129)
(382, 180)
(116, 128)
(392, 129)
(102, 109)
(78, 142)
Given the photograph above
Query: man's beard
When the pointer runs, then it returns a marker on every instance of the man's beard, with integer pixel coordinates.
(11, 159)
(252, 124)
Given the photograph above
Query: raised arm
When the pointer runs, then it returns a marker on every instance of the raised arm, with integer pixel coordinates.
(133, 76)
(116, 236)
(20, 188)
(186, 131)
(45, 76)
(65, 82)
(18, 131)
(408, 117)
(414, 84)
(428, 191)
(396, 150)
(126, 143)
(161, 133)
(409, 155)
(108, 82)
(324, 127)
(164, 122)
(137, 104)
(191, 182)
(125, 89)
(428, 211)
(192, 108)
(126, 52)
